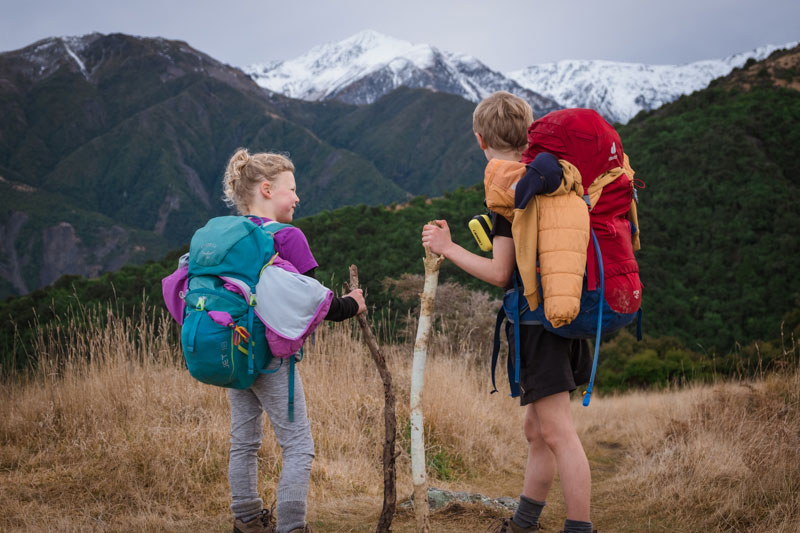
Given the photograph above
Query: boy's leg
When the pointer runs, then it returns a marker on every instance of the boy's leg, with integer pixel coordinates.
(295, 440)
(555, 424)
(540, 468)
(246, 433)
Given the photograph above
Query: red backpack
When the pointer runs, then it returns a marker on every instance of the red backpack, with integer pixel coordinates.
(612, 292)
(585, 139)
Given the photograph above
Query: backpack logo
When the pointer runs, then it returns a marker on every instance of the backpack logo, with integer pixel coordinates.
(223, 356)
(613, 152)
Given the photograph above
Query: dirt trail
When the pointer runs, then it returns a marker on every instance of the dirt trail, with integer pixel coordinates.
(612, 510)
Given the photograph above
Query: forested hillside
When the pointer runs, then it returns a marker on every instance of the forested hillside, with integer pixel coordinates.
(719, 219)
(420, 140)
(112, 150)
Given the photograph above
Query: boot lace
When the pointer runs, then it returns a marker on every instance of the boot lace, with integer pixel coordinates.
(266, 519)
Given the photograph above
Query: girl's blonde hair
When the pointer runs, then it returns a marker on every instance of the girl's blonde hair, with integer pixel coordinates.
(245, 173)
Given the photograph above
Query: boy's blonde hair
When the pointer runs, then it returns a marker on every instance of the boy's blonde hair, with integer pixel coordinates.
(502, 119)
(245, 172)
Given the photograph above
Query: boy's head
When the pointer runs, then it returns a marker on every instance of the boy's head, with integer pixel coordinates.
(502, 119)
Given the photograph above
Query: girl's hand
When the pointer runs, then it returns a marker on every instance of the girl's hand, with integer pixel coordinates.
(358, 296)
(436, 236)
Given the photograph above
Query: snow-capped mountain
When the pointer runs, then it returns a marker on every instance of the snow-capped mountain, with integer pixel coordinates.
(364, 67)
(618, 91)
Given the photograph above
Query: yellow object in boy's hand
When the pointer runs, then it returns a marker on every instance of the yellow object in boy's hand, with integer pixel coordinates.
(481, 228)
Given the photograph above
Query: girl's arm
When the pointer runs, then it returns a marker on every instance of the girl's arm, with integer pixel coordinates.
(347, 306)
(496, 270)
(292, 245)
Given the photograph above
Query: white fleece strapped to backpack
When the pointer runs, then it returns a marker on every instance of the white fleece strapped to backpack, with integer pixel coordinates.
(286, 325)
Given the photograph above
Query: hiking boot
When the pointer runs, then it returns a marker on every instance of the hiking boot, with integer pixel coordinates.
(264, 522)
(305, 529)
(506, 525)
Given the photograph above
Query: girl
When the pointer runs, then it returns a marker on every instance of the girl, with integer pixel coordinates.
(263, 185)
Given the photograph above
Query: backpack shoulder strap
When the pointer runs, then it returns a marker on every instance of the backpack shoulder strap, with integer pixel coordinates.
(274, 227)
(269, 227)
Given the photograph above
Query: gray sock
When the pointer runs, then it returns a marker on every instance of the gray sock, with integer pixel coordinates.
(576, 526)
(246, 511)
(528, 512)
(291, 515)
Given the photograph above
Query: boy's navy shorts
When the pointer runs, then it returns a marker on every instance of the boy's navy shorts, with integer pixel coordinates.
(549, 364)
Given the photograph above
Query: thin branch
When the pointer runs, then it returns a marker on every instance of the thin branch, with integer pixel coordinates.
(389, 418)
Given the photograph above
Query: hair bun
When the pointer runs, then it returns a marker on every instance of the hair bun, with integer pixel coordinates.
(239, 160)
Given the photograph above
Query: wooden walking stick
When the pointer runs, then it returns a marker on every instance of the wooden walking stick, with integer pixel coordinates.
(432, 262)
(389, 420)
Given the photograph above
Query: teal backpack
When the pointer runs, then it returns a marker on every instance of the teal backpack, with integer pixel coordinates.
(223, 342)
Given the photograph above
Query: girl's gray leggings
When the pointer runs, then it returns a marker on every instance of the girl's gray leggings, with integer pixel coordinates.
(270, 393)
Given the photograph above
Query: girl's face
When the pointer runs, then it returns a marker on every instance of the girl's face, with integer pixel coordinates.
(283, 193)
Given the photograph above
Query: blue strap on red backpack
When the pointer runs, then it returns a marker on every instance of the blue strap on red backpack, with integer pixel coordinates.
(589, 323)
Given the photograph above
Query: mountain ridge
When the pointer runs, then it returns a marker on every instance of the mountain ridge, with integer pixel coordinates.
(367, 65)
(619, 90)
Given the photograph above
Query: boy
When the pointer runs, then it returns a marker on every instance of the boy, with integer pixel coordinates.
(551, 366)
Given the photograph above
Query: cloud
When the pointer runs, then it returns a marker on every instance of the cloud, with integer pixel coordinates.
(506, 35)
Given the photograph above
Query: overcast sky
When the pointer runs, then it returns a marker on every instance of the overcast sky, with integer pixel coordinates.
(504, 34)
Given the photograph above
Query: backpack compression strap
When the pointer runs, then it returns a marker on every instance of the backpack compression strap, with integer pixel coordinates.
(250, 341)
(296, 358)
(501, 316)
(515, 391)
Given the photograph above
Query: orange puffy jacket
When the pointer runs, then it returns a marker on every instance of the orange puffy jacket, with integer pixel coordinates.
(552, 231)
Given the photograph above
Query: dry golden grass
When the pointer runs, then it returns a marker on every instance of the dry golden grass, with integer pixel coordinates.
(113, 435)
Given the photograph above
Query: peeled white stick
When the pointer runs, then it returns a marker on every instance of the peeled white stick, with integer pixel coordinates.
(432, 262)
